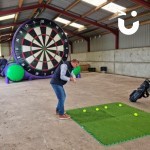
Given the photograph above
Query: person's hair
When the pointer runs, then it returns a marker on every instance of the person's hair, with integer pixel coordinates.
(2, 56)
(75, 61)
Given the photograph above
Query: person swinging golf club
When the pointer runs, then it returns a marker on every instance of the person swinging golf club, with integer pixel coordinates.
(61, 76)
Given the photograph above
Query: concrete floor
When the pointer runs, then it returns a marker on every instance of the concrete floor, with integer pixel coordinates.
(28, 120)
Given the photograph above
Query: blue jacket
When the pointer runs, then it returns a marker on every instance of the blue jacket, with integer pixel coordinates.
(56, 76)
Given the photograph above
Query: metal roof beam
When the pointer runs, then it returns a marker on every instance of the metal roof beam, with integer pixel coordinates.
(69, 7)
(6, 12)
(143, 3)
(91, 11)
(12, 11)
(70, 32)
(116, 14)
(131, 18)
(35, 10)
(114, 31)
(17, 14)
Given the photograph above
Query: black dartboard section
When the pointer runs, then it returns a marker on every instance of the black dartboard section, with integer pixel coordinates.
(39, 45)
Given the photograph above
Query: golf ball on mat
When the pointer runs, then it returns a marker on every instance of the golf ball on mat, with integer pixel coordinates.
(84, 110)
(136, 114)
(105, 107)
(97, 109)
(120, 105)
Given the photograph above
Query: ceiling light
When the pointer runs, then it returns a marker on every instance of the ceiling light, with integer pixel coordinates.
(81, 29)
(7, 17)
(95, 2)
(114, 8)
(61, 20)
(76, 25)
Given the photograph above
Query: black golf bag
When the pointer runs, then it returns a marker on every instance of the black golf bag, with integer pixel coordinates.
(142, 91)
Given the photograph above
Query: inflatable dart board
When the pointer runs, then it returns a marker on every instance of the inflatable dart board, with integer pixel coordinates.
(39, 45)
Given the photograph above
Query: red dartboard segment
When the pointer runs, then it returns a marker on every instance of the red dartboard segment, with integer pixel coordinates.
(39, 45)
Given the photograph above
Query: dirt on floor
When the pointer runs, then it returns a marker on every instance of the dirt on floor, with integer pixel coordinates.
(28, 120)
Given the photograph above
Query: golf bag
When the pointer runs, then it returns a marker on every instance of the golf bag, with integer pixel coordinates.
(142, 91)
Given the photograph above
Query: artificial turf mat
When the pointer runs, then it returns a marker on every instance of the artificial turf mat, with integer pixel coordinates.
(112, 123)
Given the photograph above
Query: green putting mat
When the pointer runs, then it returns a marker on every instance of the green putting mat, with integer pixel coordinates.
(112, 123)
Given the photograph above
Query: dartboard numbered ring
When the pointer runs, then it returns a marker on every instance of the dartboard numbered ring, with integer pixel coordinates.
(39, 45)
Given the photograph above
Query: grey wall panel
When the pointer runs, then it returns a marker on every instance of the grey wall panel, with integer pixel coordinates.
(130, 62)
(107, 42)
(101, 56)
(133, 55)
(97, 63)
(104, 42)
(80, 56)
(97, 43)
(133, 69)
(140, 39)
(79, 46)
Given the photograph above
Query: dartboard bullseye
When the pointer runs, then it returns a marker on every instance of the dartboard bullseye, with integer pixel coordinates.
(39, 45)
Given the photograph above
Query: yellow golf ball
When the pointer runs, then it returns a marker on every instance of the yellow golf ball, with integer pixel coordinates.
(135, 114)
(105, 107)
(84, 110)
(120, 105)
(97, 109)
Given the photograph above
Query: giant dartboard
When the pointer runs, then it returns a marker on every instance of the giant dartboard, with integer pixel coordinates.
(39, 45)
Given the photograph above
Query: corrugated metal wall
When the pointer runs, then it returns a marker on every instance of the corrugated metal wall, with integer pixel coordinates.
(97, 43)
(79, 46)
(104, 42)
(107, 42)
(140, 39)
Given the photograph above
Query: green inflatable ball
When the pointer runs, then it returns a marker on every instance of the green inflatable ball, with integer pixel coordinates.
(15, 72)
(77, 70)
